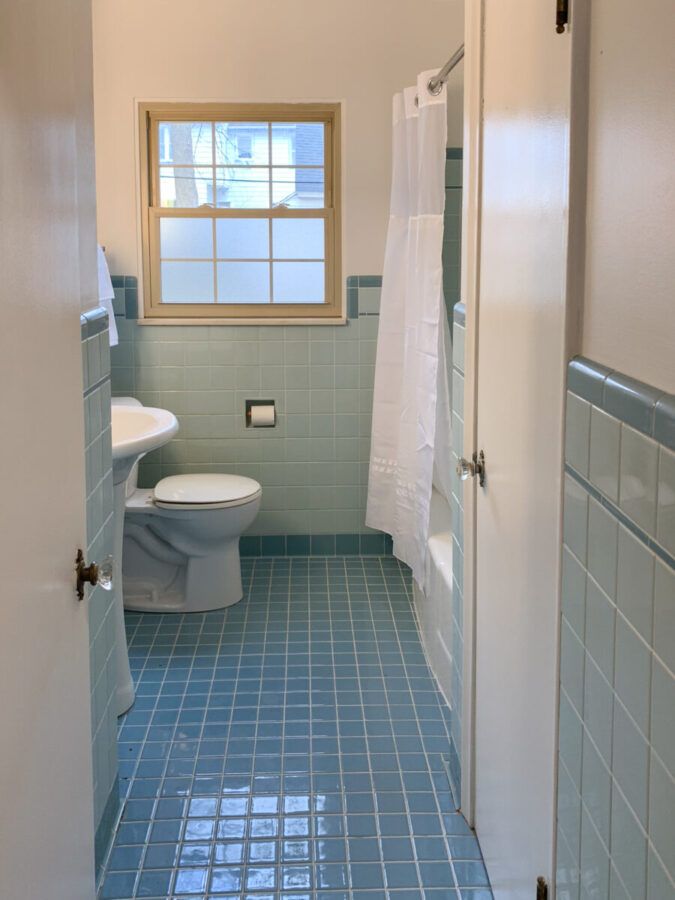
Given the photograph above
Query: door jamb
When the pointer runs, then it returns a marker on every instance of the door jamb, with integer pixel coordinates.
(470, 275)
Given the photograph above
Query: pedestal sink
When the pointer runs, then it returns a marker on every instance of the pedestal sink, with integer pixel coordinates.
(135, 431)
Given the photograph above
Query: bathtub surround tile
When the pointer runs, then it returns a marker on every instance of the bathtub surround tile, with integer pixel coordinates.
(265, 737)
(99, 517)
(618, 560)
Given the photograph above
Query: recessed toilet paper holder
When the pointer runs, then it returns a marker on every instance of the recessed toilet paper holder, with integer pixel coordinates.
(250, 404)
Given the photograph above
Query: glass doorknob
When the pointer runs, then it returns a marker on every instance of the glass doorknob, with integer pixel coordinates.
(469, 468)
(94, 573)
(465, 469)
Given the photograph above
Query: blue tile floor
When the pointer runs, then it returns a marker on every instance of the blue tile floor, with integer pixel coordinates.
(292, 746)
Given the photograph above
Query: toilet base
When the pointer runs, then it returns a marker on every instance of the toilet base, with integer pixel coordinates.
(205, 583)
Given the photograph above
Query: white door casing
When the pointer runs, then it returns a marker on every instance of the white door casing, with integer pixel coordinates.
(518, 104)
(46, 813)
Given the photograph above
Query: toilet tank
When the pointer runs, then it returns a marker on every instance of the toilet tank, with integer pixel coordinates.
(132, 480)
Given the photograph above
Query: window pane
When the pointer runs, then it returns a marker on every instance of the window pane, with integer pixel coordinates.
(187, 282)
(185, 143)
(298, 188)
(242, 238)
(242, 143)
(299, 282)
(298, 238)
(243, 188)
(243, 282)
(297, 144)
(185, 188)
(186, 238)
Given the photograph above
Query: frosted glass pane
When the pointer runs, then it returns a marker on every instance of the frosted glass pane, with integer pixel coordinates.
(298, 188)
(299, 282)
(242, 239)
(185, 188)
(243, 282)
(297, 144)
(185, 239)
(187, 282)
(185, 143)
(242, 143)
(298, 239)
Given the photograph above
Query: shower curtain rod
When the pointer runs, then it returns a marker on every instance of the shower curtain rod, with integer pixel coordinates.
(435, 84)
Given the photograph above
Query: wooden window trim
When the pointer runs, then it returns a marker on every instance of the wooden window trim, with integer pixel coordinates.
(155, 312)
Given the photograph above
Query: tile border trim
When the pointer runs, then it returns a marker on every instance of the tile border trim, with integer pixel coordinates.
(94, 387)
(612, 508)
(93, 322)
(354, 282)
(643, 407)
(357, 544)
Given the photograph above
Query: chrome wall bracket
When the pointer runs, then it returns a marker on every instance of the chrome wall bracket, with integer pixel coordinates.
(469, 469)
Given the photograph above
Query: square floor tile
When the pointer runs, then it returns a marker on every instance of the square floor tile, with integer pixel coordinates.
(294, 742)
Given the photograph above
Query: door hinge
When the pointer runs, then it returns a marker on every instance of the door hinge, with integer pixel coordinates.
(542, 888)
(562, 15)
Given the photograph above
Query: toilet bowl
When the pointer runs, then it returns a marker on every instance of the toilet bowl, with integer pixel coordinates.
(181, 541)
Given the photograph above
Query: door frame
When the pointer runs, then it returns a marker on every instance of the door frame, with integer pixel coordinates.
(470, 287)
(470, 292)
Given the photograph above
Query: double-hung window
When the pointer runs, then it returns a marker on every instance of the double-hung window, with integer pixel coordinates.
(241, 212)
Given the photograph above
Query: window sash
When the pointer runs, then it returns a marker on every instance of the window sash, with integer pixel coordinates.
(153, 213)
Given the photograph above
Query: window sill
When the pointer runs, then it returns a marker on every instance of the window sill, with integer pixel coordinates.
(337, 320)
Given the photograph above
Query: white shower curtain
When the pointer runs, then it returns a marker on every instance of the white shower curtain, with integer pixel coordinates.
(410, 447)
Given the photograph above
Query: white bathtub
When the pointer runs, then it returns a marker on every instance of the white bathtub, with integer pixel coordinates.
(435, 606)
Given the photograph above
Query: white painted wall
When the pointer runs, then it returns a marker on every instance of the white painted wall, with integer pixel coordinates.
(629, 314)
(359, 51)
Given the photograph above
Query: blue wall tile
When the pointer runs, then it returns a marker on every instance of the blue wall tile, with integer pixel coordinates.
(613, 543)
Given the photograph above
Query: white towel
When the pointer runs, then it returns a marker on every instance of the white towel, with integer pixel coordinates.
(106, 295)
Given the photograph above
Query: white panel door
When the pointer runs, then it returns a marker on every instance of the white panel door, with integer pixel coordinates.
(46, 806)
(520, 310)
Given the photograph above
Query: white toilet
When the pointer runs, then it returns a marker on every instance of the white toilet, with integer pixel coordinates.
(181, 540)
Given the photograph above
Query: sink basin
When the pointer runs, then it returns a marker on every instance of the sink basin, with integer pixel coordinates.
(136, 430)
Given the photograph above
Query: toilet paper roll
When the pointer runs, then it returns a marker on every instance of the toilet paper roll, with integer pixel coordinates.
(262, 416)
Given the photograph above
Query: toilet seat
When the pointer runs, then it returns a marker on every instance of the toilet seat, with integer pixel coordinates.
(205, 491)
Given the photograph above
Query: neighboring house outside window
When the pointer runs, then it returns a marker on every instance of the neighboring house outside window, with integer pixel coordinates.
(241, 212)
